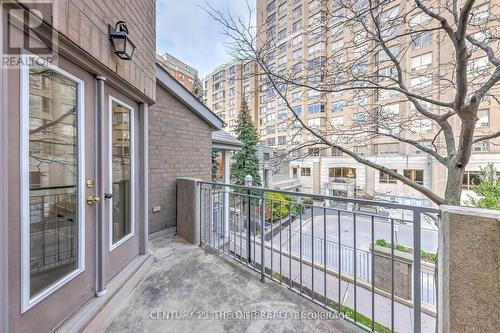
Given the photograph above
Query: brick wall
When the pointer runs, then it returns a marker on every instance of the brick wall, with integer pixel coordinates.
(180, 145)
(86, 24)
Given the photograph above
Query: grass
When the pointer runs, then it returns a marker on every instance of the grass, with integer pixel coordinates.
(360, 319)
(423, 254)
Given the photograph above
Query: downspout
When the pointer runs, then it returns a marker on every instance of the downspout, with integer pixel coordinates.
(100, 287)
(144, 178)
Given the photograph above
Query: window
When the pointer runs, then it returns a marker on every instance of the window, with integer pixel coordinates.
(387, 178)
(297, 54)
(282, 140)
(313, 152)
(282, 8)
(52, 177)
(472, 179)
(483, 116)
(420, 40)
(337, 106)
(297, 12)
(383, 56)
(282, 34)
(416, 175)
(296, 26)
(385, 149)
(361, 150)
(420, 19)
(342, 172)
(318, 47)
(297, 110)
(316, 107)
(390, 14)
(271, 141)
(314, 122)
(421, 61)
(297, 40)
(121, 184)
(271, 6)
(421, 82)
(337, 121)
(337, 45)
(317, 63)
(336, 152)
(305, 172)
(480, 14)
(282, 48)
(481, 147)
(421, 125)
(271, 18)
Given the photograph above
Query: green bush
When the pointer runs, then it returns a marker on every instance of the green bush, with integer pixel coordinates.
(281, 206)
(381, 242)
(402, 248)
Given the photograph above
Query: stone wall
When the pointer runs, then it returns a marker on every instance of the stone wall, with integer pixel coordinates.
(180, 145)
(469, 266)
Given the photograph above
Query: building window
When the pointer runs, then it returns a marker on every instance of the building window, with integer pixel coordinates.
(416, 175)
(305, 172)
(342, 172)
(385, 149)
(297, 110)
(421, 40)
(421, 61)
(281, 140)
(337, 106)
(483, 116)
(52, 178)
(316, 107)
(314, 152)
(386, 178)
(481, 147)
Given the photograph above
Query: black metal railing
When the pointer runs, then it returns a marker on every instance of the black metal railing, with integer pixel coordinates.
(325, 249)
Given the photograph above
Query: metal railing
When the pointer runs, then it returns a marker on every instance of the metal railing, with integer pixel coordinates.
(316, 246)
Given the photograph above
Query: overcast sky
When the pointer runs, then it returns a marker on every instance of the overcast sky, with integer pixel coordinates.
(186, 31)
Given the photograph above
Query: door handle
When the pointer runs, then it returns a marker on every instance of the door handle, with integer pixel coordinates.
(91, 200)
(108, 195)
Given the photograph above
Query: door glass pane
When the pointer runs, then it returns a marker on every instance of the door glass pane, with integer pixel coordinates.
(53, 174)
(121, 171)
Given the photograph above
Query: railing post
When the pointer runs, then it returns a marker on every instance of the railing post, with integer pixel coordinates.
(262, 239)
(417, 297)
(249, 230)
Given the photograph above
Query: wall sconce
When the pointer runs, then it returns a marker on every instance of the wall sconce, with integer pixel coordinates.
(122, 45)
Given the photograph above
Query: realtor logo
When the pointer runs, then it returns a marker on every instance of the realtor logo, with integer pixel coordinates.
(27, 28)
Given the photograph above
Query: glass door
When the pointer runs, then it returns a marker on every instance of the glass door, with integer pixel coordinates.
(121, 176)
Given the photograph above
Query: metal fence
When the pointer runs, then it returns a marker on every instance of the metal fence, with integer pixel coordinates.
(338, 275)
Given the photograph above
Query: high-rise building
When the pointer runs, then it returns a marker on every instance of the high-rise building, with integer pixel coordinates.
(301, 35)
(182, 72)
(227, 86)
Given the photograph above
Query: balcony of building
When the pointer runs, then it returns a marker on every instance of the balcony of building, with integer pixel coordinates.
(254, 259)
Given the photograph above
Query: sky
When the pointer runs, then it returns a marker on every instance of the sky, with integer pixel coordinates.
(185, 30)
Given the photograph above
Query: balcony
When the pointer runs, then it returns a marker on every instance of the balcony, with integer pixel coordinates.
(194, 289)
(256, 258)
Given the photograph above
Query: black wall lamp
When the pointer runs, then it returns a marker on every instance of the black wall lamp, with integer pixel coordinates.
(123, 46)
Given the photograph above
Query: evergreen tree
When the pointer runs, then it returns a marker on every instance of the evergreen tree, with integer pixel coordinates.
(245, 160)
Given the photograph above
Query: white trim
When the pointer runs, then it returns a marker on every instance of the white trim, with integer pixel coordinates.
(26, 301)
(112, 245)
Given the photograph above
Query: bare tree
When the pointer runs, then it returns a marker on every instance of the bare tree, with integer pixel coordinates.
(362, 52)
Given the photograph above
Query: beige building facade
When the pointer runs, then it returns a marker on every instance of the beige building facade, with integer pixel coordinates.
(227, 86)
(182, 72)
(300, 35)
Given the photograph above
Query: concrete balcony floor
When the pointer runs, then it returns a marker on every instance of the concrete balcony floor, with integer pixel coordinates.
(186, 278)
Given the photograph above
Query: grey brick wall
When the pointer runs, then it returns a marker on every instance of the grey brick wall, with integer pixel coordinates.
(180, 145)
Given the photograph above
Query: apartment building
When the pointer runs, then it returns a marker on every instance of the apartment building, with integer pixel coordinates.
(182, 72)
(299, 35)
(227, 86)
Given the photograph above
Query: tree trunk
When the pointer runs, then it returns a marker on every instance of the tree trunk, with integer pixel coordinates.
(453, 192)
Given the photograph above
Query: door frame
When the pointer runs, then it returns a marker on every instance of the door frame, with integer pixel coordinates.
(109, 167)
(28, 302)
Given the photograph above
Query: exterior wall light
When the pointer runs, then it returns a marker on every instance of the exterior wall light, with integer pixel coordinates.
(122, 45)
